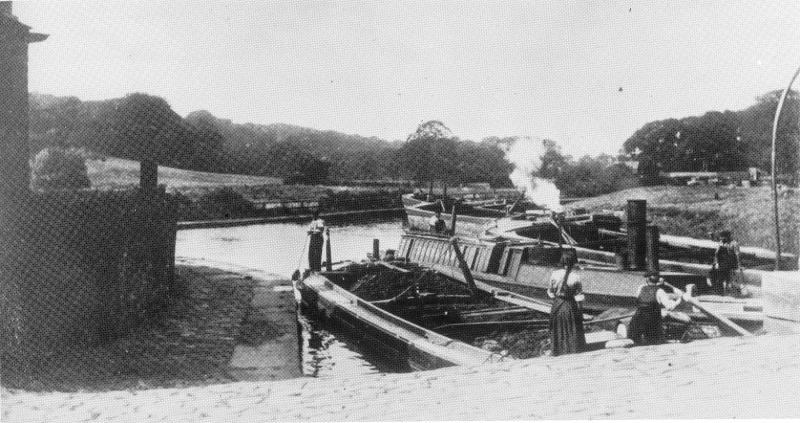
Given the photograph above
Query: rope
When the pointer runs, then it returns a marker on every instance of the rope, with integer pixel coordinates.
(302, 253)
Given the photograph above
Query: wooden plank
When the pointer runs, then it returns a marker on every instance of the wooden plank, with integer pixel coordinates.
(393, 267)
(717, 317)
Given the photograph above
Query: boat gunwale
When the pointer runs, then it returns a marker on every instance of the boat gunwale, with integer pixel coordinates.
(427, 341)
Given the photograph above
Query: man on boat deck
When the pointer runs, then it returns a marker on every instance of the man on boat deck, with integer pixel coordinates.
(437, 223)
(315, 231)
(726, 261)
(646, 325)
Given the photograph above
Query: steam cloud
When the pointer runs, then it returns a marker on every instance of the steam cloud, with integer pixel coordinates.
(524, 153)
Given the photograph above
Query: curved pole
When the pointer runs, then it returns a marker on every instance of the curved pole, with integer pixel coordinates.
(774, 182)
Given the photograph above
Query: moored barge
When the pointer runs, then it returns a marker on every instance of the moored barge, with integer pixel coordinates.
(525, 267)
(431, 317)
(415, 315)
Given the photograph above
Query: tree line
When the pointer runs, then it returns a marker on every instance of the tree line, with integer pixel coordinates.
(140, 126)
(719, 141)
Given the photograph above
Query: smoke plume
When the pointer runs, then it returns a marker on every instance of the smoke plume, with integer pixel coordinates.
(524, 153)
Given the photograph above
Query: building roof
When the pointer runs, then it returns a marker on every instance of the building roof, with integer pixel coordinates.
(11, 27)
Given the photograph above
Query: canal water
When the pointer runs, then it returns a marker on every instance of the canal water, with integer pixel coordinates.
(280, 249)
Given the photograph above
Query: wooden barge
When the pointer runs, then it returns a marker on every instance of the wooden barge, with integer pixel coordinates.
(428, 325)
(599, 237)
(525, 267)
(423, 329)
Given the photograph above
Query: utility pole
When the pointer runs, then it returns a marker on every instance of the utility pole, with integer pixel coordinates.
(775, 174)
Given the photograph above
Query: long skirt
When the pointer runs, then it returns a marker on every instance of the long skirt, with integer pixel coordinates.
(566, 327)
(315, 252)
(646, 326)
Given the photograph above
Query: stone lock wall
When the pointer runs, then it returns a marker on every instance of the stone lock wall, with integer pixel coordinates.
(80, 267)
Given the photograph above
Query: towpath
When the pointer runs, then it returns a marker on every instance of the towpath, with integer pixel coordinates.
(232, 324)
(752, 377)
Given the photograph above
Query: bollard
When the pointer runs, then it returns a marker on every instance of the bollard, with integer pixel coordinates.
(376, 249)
(329, 263)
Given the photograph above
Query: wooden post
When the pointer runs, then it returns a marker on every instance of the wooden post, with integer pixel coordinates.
(148, 175)
(376, 249)
(453, 220)
(329, 261)
(652, 248)
(463, 265)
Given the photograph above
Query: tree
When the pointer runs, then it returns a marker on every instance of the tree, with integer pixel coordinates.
(145, 128)
(719, 141)
(429, 153)
(553, 162)
(296, 165)
(57, 168)
(207, 143)
(589, 176)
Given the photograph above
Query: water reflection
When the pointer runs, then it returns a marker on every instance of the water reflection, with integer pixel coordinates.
(278, 248)
(323, 351)
(326, 351)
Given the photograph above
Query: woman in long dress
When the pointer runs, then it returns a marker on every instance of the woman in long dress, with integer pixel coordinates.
(646, 326)
(566, 318)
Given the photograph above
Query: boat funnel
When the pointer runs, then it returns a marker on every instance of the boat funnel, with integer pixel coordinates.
(637, 233)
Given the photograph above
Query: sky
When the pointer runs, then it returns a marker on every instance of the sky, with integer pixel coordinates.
(585, 74)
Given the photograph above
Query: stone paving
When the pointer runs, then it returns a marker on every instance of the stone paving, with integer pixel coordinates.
(752, 377)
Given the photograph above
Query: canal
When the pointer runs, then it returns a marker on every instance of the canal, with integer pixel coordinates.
(279, 249)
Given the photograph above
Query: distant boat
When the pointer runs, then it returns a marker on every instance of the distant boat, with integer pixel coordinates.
(611, 238)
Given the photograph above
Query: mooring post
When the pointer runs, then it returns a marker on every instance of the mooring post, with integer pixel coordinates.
(652, 248)
(376, 249)
(453, 220)
(329, 262)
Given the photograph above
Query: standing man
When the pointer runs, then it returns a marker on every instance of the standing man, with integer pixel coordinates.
(726, 261)
(436, 223)
(315, 231)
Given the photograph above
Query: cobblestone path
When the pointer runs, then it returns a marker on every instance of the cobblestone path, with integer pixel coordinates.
(722, 378)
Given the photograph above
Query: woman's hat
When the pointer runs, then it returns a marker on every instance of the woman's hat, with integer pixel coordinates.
(650, 273)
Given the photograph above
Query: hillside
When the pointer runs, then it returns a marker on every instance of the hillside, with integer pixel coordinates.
(693, 211)
(112, 173)
(142, 124)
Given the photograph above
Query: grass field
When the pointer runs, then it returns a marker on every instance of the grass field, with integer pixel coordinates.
(693, 211)
(200, 197)
(113, 173)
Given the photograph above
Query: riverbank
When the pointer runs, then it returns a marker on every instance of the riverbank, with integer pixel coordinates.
(205, 337)
(702, 211)
(329, 216)
(721, 378)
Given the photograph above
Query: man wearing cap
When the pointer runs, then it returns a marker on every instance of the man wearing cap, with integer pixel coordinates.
(646, 327)
(726, 262)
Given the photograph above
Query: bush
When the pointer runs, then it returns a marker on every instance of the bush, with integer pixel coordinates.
(226, 202)
(57, 168)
